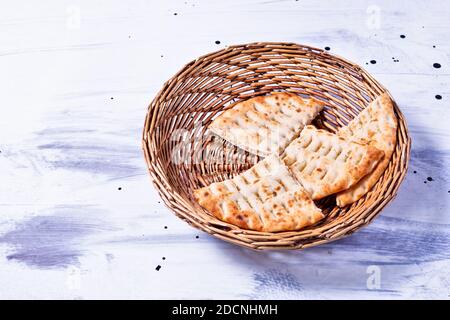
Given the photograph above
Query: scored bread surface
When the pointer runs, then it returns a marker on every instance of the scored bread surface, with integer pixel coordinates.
(266, 124)
(325, 163)
(264, 198)
(377, 126)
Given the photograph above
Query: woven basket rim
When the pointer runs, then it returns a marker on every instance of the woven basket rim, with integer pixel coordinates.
(191, 212)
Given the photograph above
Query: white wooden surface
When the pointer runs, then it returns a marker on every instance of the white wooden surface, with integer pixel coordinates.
(75, 80)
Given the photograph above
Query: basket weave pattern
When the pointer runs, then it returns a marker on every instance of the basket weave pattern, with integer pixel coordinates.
(183, 155)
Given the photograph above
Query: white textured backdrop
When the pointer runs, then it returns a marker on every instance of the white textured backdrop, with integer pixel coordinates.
(79, 217)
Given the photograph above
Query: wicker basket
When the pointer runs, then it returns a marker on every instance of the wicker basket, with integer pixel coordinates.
(182, 155)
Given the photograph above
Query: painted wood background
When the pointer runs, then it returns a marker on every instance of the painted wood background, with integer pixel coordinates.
(79, 217)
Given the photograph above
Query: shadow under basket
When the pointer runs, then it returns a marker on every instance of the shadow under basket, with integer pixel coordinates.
(182, 155)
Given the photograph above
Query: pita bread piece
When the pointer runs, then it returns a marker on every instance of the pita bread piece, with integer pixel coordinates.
(325, 163)
(263, 198)
(377, 126)
(266, 124)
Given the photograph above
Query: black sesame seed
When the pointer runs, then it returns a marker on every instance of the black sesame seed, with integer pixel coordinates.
(424, 182)
(217, 42)
(438, 96)
(164, 258)
(430, 179)
(158, 267)
(196, 237)
(165, 227)
(175, 14)
(373, 61)
(436, 65)
(415, 171)
(402, 36)
(119, 188)
(327, 48)
(434, 46)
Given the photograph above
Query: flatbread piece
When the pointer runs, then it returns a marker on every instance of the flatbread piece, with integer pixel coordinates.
(266, 124)
(264, 198)
(377, 126)
(325, 163)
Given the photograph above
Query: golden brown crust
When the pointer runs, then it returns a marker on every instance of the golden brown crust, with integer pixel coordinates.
(325, 163)
(270, 200)
(246, 219)
(377, 126)
(266, 124)
(299, 213)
